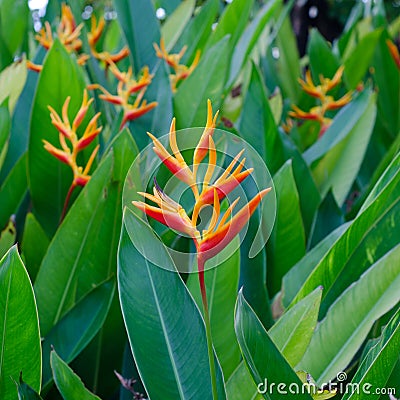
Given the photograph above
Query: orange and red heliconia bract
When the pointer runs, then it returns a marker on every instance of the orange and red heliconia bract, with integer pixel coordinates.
(394, 51)
(68, 132)
(221, 228)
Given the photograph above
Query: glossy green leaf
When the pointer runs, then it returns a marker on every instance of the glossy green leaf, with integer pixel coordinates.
(357, 63)
(7, 237)
(95, 217)
(336, 158)
(241, 386)
(157, 301)
(13, 191)
(293, 330)
(322, 60)
(14, 17)
(68, 383)
(197, 31)
(78, 327)
(49, 179)
(249, 38)
(141, 29)
(287, 243)
(176, 22)
(12, 81)
(25, 392)
(19, 327)
(347, 323)
(376, 367)
(257, 120)
(206, 82)
(295, 278)
(5, 124)
(34, 245)
(261, 354)
(222, 286)
(371, 235)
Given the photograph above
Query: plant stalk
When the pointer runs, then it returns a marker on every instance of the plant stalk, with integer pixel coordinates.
(67, 199)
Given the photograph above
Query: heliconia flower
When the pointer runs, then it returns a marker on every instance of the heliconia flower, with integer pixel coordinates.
(127, 87)
(33, 67)
(320, 92)
(181, 71)
(394, 51)
(94, 36)
(67, 131)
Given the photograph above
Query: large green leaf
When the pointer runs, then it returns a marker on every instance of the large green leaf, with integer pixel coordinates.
(293, 330)
(336, 158)
(170, 347)
(371, 235)
(12, 191)
(49, 179)
(295, 278)
(240, 385)
(222, 286)
(141, 29)
(95, 219)
(376, 367)
(347, 323)
(287, 242)
(19, 327)
(257, 121)
(261, 355)
(34, 245)
(206, 82)
(78, 327)
(176, 22)
(67, 382)
(5, 123)
(25, 392)
(7, 237)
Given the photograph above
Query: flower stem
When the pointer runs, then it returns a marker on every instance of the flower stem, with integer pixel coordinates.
(67, 199)
(200, 266)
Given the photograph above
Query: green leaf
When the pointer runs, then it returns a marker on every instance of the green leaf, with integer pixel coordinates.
(347, 323)
(368, 238)
(295, 278)
(258, 121)
(14, 17)
(13, 191)
(293, 330)
(141, 29)
(336, 158)
(197, 31)
(232, 22)
(250, 37)
(206, 82)
(19, 327)
(261, 355)
(12, 81)
(157, 301)
(25, 392)
(376, 367)
(49, 179)
(78, 326)
(322, 60)
(287, 243)
(357, 63)
(176, 22)
(222, 285)
(68, 383)
(7, 237)
(34, 245)
(241, 386)
(5, 124)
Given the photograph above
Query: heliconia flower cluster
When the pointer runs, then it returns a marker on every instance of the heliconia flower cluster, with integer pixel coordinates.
(327, 102)
(180, 71)
(221, 229)
(68, 32)
(68, 132)
(130, 93)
